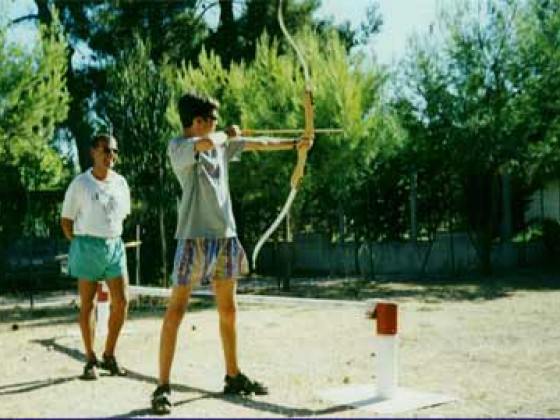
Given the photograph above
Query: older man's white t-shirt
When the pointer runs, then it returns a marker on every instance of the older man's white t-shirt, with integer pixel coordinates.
(97, 208)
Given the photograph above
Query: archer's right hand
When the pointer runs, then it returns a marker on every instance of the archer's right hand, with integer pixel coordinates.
(233, 131)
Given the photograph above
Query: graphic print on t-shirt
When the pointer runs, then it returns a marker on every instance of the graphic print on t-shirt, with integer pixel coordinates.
(210, 164)
(107, 202)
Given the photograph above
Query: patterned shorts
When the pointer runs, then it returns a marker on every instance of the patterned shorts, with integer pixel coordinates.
(201, 260)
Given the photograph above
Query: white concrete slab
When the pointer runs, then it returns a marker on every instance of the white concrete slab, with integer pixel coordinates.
(364, 397)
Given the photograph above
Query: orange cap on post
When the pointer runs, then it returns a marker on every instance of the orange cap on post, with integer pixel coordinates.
(386, 318)
(102, 295)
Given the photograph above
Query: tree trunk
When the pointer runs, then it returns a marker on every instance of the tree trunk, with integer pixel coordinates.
(506, 209)
(161, 211)
(340, 258)
(163, 245)
(226, 34)
(226, 14)
(507, 221)
(290, 254)
(413, 208)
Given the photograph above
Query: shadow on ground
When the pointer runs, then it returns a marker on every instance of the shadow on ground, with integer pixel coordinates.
(22, 316)
(464, 288)
(178, 389)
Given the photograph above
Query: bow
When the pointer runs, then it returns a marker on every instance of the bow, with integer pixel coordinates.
(308, 134)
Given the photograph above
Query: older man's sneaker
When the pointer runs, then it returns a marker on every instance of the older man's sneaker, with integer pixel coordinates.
(241, 385)
(90, 370)
(110, 363)
(160, 400)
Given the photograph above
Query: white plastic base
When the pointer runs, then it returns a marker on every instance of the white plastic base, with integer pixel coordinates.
(365, 397)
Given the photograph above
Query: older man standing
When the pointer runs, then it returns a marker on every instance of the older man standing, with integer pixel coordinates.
(95, 206)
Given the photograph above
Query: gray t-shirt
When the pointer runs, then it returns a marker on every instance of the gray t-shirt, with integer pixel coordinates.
(205, 209)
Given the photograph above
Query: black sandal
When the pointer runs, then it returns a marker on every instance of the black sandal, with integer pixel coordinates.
(241, 385)
(160, 400)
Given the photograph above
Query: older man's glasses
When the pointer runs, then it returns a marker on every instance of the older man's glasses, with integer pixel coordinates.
(109, 150)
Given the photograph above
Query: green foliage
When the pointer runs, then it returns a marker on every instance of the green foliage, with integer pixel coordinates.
(33, 100)
(177, 31)
(174, 29)
(462, 100)
(137, 103)
(268, 93)
(477, 99)
(539, 70)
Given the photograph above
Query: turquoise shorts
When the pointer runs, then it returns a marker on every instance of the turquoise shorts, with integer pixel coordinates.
(95, 259)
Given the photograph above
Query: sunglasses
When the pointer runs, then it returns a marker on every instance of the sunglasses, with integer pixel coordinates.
(108, 150)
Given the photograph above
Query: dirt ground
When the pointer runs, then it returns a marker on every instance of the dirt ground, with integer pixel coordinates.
(495, 347)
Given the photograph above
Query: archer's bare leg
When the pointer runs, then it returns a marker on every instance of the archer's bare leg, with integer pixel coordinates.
(224, 292)
(176, 308)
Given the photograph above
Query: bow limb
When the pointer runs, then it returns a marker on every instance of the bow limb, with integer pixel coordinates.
(308, 134)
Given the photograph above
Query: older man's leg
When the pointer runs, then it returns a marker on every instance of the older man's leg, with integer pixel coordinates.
(117, 316)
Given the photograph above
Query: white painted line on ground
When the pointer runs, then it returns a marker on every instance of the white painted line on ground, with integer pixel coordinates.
(277, 300)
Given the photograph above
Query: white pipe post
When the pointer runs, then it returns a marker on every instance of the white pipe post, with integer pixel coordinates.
(387, 349)
(384, 398)
(102, 310)
(137, 261)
